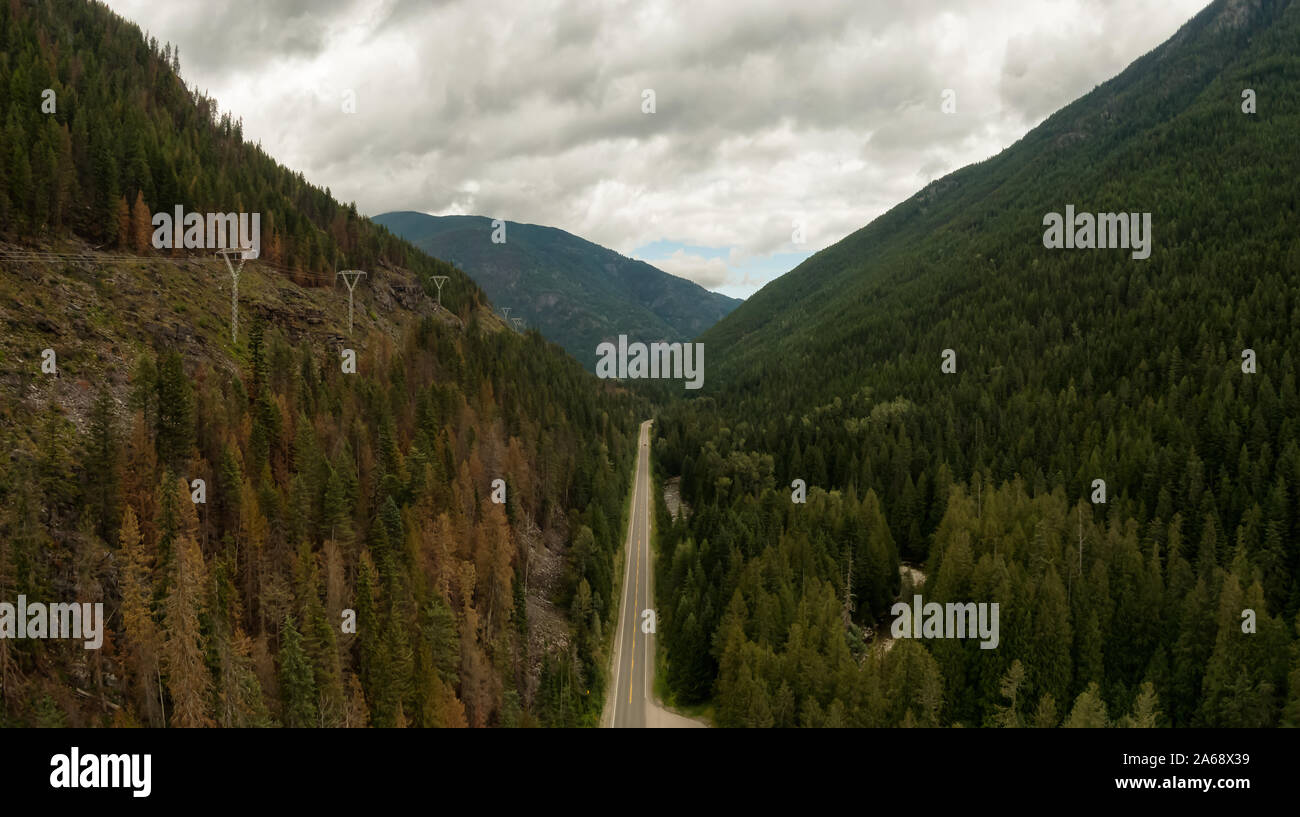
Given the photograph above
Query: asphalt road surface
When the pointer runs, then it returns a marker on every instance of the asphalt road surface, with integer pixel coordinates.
(631, 703)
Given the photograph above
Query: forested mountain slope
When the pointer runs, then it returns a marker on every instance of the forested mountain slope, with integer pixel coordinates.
(1071, 366)
(575, 292)
(327, 493)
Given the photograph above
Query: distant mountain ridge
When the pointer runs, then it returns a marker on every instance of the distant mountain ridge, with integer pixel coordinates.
(575, 292)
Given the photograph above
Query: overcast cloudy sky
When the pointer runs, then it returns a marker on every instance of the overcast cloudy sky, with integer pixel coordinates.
(824, 112)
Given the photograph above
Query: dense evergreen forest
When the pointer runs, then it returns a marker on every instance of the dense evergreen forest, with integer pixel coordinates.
(1071, 366)
(332, 494)
(326, 492)
(127, 138)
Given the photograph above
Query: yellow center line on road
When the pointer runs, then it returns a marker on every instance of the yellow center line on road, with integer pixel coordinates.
(636, 597)
(636, 581)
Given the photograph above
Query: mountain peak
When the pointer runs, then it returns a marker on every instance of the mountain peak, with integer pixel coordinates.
(575, 292)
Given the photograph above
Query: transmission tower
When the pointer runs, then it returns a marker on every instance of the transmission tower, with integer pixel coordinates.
(350, 277)
(439, 280)
(242, 255)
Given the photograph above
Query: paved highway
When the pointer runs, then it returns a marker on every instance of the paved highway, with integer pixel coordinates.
(630, 702)
(634, 650)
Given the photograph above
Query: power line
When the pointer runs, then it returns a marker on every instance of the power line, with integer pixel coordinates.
(321, 279)
(165, 260)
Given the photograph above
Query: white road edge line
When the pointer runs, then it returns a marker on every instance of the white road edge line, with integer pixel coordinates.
(645, 684)
(627, 576)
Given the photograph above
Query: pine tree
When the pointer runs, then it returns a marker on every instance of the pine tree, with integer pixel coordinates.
(913, 684)
(1291, 712)
(54, 463)
(175, 420)
(1008, 716)
(320, 644)
(1045, 715)
(1089, 710)
(141, 231)
(122, 230)
(357, 715)
(1145, 712)
(142, 640)
(20, 183)
(103, 466)
(297, 686)
(248, 705)
(188, 679)
(495, 553)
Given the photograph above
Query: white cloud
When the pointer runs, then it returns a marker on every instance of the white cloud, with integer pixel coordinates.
(709, 273)
(766, 111)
